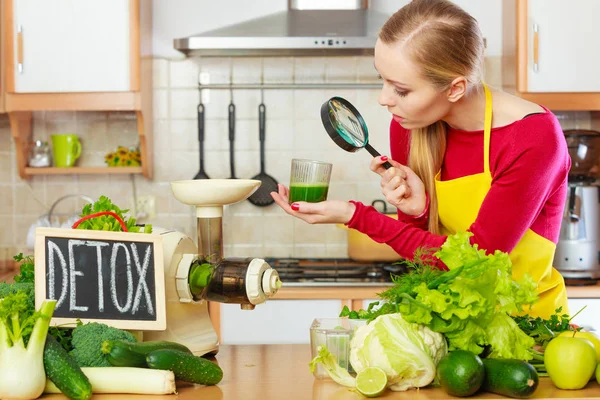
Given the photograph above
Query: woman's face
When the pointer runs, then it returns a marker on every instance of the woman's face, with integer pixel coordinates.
(413, 101)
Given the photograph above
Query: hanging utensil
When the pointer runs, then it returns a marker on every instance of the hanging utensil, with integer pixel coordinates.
(231, 136)
(262, 196)
(346, 126)
(201, 174)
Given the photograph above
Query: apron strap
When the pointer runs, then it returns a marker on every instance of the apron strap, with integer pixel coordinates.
(487, 129)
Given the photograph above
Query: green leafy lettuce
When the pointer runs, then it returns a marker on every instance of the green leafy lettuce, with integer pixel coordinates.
(108, 222)
(471, 303)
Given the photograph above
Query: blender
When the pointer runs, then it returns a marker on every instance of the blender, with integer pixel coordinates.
(577, 255)
(196, 274)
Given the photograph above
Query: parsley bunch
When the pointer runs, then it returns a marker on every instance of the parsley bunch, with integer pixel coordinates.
(27, 270)
(544, 330)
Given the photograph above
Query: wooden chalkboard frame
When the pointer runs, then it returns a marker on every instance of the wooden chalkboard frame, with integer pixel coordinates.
(124, 237)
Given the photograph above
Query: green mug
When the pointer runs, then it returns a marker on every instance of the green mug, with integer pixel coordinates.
(66, 149)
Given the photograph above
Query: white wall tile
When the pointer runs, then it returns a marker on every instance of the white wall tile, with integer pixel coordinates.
(184, 73)
(184, 135)
(309, 70)
(184, 104)
(247, 70)
(160, 99)
(278, 69)
(341, 69)
(279, 104)
(160, 73)
(217, 68)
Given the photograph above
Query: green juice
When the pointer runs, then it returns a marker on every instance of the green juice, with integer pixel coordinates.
(308, 192)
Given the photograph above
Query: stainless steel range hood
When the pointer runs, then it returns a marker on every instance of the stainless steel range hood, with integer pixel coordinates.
(302, 30)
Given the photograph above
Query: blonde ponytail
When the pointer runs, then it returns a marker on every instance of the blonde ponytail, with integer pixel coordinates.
(427, 148)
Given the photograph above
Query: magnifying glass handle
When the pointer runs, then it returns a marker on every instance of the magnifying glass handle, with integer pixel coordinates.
(375, 153)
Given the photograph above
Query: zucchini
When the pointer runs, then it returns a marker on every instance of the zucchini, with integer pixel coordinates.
(513, 378)
(121, 353)
(63, 371)
(186, 367)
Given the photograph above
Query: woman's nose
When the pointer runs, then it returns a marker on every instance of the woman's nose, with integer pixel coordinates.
(385, 97)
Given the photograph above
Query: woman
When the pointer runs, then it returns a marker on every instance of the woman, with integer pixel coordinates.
(464, 156)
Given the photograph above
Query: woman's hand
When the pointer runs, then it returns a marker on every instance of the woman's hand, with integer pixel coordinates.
(401, 187)
(325, 212)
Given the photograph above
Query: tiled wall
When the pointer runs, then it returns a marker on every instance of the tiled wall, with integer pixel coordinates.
(293, 130)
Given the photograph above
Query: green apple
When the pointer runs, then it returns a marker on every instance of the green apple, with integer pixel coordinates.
(598, 373)
(589, 336)
(570, 361)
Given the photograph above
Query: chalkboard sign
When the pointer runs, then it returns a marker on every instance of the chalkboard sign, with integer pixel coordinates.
(116, 278)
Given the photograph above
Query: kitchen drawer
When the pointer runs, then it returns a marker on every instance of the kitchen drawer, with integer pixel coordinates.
(274, 322)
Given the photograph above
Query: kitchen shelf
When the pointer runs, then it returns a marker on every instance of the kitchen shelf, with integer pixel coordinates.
(82, 170)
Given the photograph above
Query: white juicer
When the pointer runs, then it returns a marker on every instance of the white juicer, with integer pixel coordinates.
(195, 275)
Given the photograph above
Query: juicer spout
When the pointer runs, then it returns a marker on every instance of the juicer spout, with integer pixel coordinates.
(247, 306)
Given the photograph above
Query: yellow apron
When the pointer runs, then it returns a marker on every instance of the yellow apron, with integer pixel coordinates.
(459, 201)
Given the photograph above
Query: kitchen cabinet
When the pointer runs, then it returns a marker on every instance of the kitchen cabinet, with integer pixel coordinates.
(287, 317)
(274, 322)
(71, 46)
(550, 52)
(77, 56)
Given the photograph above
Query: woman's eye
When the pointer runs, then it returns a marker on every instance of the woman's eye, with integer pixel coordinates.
(400, 93)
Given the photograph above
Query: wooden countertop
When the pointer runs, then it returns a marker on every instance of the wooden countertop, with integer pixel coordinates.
(281, 372)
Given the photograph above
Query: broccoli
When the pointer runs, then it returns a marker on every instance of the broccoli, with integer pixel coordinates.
(11, 288)
(87, 343)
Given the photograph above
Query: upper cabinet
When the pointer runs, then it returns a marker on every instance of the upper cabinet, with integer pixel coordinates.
(71, 46)
(551, 50)
(77, 55)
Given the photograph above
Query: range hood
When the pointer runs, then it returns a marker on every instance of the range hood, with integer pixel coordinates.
(302, 30)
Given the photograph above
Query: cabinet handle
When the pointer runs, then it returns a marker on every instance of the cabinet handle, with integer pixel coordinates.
(20, 48)
(536, 48)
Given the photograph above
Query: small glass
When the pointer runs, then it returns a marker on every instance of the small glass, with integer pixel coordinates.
(335, 334)
(39, 155)
(309, 180)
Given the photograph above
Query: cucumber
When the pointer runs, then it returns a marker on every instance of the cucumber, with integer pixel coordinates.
(186, 367)
(63, 371)
(121, 353)
(513, 378)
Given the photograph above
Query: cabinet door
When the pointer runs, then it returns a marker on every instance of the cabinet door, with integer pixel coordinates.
(589, 318)
(274, 322)
(568, 51)
(71, 45)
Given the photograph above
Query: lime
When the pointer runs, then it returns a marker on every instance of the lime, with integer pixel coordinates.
(460, 373)
(371, 381)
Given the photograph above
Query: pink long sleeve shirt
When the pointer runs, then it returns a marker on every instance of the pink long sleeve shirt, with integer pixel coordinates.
(529, 163)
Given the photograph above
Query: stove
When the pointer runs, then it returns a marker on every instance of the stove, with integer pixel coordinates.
(334, 272)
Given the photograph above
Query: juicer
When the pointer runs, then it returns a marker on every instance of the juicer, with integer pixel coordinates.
(577, 255)
(196, 274)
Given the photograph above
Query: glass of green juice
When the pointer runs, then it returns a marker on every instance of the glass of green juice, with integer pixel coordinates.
(309, 180)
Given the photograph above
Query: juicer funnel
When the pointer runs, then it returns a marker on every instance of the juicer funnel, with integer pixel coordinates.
(210, 195)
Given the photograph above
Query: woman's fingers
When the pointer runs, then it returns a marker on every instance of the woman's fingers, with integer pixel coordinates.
(396, 190)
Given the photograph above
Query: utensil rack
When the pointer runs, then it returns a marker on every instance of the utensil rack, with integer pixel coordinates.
(279, 86)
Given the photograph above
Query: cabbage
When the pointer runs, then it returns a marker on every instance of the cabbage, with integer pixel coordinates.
(407, 352)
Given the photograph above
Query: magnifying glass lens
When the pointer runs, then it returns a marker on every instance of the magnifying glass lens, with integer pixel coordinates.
(346, 123)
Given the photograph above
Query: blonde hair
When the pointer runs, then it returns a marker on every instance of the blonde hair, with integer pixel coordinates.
(445, 42)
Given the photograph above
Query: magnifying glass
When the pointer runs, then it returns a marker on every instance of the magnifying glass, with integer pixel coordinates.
(346, 126)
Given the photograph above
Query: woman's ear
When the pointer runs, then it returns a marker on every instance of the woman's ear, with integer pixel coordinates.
(458, 88)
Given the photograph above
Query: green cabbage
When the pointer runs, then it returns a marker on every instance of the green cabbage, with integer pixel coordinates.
(407, 352)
